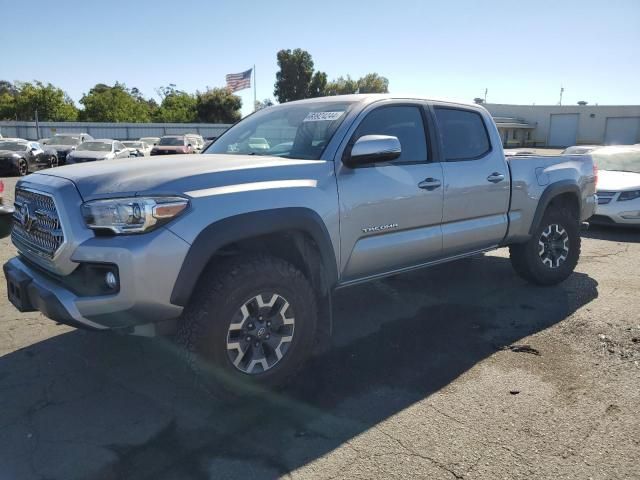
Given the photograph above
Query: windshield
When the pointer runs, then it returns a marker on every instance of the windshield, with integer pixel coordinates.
(13, 146)
(94, 147)
(622, 160)
(172, 141)
(64, 140)
(291, 131)
(133, 144)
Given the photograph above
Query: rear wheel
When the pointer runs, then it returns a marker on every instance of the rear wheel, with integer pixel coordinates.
(552, 253)
(251, 323)
(54, 162)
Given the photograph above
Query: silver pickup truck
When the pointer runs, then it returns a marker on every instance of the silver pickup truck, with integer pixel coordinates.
(240, 249)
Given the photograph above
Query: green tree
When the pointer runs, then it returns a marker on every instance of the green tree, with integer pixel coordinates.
(8, 95)
(51, 102)
(176, 106)
(342, 86)
(259, 105)
(218, 105)
(318, 85)
(104, 103)
(294, 77)
(373, 83)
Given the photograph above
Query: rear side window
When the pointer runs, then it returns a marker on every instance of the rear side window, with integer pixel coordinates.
(463, 134)
(404, 122)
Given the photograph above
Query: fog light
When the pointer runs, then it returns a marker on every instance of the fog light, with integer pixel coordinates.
(111, 280)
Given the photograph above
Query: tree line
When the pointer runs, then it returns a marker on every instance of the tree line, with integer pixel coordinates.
(116, 103)
(296, 79)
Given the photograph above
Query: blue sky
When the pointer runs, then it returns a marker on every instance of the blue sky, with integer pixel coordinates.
(522, 51)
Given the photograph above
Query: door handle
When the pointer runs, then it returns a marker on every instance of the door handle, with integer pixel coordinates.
(495, 177)
(429, 183)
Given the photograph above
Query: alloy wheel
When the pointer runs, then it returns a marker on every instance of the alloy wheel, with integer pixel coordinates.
(260, 333)
(553, 246)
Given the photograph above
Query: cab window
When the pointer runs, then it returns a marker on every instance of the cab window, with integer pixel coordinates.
(402, 121)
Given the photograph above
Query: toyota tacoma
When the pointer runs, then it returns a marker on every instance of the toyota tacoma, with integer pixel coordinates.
(239, 250)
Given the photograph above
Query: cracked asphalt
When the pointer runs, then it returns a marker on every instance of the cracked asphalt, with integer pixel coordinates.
(462, 371)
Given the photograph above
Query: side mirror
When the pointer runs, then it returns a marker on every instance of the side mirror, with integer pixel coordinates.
(34, 149)
(371, 149)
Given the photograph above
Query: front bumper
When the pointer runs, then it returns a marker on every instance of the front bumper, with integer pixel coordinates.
(617, 212)
(8, 165)
(147, 267)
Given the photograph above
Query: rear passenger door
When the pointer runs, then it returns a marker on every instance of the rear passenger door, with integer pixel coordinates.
(476, 181)
(389, 218)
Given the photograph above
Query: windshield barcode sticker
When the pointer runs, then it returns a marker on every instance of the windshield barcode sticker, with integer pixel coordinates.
(323, 116)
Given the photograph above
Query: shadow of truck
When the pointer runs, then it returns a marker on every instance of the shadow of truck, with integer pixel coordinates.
(86, 405)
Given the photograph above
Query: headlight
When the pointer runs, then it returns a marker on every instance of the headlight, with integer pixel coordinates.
(132, 215)
(630, 195)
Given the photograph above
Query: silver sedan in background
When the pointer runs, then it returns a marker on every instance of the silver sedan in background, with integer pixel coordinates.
(101, 149)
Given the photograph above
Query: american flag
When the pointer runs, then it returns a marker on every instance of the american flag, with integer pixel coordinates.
(239, 81)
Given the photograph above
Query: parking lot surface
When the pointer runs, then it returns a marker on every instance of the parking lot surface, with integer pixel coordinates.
(458, 371)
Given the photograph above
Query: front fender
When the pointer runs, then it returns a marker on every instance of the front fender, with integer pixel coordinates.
(249, 225)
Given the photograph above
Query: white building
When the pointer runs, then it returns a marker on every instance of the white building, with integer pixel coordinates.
(566, 125)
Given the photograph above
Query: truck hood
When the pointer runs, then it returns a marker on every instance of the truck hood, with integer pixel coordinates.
(614, 181)
(180, 174)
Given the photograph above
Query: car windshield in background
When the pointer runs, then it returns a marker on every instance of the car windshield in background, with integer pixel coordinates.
(132, 144)
(172, 141)
(63, 140)
(291, 131)
(13, 146)
(94, 147)
(614, 158)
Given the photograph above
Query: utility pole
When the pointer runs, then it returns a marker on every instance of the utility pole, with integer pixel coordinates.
(37, 125)
(561, 92)
(485, 94)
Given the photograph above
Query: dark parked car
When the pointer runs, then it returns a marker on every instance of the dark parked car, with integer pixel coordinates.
(6, 213)
(64, 143)
(172, 144)
(22, 157)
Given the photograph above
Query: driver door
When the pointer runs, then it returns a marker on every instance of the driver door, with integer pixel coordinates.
(390, 213)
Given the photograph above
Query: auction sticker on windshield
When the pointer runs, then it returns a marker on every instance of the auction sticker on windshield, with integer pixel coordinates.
(322, 116)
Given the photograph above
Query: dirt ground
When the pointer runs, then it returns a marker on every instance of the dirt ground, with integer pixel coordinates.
(459, 371)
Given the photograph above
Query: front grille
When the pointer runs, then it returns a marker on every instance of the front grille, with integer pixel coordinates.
(36, 225)
(605, 197)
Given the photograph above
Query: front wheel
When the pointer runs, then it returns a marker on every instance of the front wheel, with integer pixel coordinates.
(552, 253)
(23, 167)
(251, 322)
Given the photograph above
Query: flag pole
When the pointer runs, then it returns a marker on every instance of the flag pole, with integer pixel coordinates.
(254, 88)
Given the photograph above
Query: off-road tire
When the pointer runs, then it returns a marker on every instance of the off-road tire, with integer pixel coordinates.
(526, 258)
(221, 291)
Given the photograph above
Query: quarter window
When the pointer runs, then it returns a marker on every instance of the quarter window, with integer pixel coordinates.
(403, 122)
(463, 134)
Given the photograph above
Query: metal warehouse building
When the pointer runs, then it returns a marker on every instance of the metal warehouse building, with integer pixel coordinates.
(566, 125)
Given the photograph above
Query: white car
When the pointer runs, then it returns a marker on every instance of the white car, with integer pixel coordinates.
(618, 186)
(151, 141)
(138, 149)
(580, 149)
